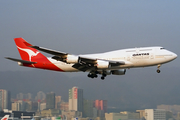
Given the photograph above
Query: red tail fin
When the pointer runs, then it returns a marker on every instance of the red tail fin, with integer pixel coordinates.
(26, 52)
(32, 57)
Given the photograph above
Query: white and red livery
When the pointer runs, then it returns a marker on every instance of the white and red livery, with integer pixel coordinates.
(113, 62)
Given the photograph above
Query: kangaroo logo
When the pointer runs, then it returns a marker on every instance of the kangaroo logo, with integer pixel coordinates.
(29, 52)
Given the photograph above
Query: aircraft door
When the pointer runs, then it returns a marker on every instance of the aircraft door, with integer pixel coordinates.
(151, 56)
(128, 57)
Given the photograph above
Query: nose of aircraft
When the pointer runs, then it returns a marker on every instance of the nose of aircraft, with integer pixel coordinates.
(170, 56)
(174, 55)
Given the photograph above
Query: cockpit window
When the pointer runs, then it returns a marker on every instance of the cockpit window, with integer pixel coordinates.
(162, 48)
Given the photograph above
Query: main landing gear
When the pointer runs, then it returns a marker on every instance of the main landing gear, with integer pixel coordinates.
(94, 75)
(103, 76)
(90, 75)
(158, 70)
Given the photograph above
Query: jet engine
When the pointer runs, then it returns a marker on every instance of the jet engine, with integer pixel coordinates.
(102, 64)
(107, 72)
(72, 59)
(118, 72)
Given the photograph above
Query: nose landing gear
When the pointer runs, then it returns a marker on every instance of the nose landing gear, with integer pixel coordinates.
(158, 70)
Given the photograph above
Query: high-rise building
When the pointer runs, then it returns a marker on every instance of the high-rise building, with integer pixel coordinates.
(50, 100)
(178, 116)
(57, 102)
(122, 115)
(20, 96)
(18, 105)
(141, 113)
(76, 99)
(40, 96)
(5, 99)
(173, 108)
(155, 114)
(29, 96)
(42, 106)
(64, 106)
(14, 107)
(101, 105)
(88, 108)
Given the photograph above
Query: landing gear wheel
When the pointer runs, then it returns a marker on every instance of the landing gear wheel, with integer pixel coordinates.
(158, 71)
(104, 75)
(102, 78)
(92, 75)
(89, 75)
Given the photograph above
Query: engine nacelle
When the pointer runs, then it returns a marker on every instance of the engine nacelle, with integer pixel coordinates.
(107, 72)
(72, 59)
(102, 64)
(118, 72)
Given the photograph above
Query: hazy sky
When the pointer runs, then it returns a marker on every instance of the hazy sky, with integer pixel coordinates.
(81, 26)
(88, 26)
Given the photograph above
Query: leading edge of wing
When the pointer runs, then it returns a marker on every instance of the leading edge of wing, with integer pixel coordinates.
(87, 63)
(82, 59)
(50, 51)
(94, 61)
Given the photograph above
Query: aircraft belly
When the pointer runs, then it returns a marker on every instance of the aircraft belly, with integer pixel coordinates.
(63, 66)
(66, 67)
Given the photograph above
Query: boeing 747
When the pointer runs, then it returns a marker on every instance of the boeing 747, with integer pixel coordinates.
(113, 62)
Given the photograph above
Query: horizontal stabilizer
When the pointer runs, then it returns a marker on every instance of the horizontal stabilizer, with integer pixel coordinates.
(22, 61)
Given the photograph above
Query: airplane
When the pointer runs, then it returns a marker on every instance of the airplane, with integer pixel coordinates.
(113, 62)
(5, 117)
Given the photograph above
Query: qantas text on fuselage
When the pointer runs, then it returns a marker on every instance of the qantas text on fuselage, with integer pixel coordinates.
(108, 63)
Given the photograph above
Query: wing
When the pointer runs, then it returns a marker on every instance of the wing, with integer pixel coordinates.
(87, 63)
(60, 56)
(81, 63)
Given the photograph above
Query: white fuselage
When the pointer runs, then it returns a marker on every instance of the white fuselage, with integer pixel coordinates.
(134, 57)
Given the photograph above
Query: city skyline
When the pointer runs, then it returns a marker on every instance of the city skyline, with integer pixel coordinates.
(91, 109)
(127, 88)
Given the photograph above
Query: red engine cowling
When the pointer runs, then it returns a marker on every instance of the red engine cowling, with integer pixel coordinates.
(118, 72)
